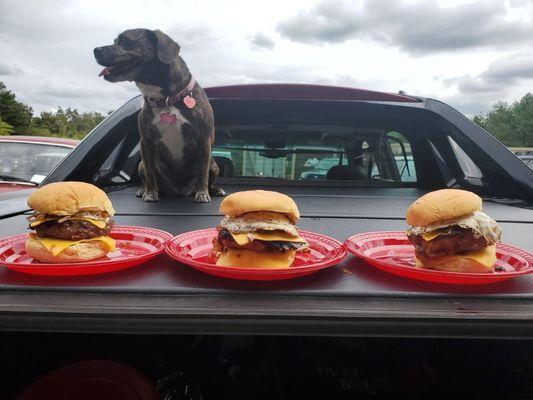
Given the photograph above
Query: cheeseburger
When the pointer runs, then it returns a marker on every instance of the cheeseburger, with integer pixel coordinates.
(451, 233)
(258, 230)
(71, 221)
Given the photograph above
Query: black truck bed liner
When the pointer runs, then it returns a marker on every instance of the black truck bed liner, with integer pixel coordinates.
(353, 298)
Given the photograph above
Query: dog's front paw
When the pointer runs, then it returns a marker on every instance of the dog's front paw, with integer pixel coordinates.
(150, 195)
(201, 197)
(140, 192)
(218, 192)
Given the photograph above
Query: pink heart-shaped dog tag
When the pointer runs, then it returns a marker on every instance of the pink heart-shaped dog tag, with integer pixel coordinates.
(189, 101)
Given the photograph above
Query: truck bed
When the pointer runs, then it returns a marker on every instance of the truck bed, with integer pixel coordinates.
(350, 299)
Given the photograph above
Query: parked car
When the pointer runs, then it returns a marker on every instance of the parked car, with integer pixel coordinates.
(26, 160)
(525, 154)
(351, 331)
(321, 168)
(528, 160)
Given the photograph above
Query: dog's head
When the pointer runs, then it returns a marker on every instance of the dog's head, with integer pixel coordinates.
(134, 52)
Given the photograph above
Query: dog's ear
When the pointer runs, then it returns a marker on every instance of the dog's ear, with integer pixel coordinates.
(167, 49)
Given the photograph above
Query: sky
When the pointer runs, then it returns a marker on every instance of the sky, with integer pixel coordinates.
(469, 54)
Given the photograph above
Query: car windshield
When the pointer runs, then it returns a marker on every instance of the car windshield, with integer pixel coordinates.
(29, 161)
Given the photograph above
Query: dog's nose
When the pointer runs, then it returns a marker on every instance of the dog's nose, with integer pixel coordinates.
(97, 51)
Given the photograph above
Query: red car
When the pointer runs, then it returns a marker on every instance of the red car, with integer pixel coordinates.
(26, 160)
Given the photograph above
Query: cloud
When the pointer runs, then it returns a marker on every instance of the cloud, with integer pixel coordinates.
(61, 91)
(250, 73)
(510, 70)
(499, 76)
(470, 105)
(53, 46)
(35, 21)
(193, 37)
(519, 3)
(262, 42)
(330, 21)
(505, 79)
(50, 48)
(51, 94)
(9, 71)
(421, 27)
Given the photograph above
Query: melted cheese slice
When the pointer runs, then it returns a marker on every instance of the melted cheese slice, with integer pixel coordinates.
(482, 260)
(275, 236)
(99, 223)
(485, 256)
(431, 235)
(56, 246)
(253, 259)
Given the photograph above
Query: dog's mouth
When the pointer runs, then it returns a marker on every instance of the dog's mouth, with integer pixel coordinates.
(118, 68)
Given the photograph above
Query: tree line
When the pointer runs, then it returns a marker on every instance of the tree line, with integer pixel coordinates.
(17, 118)
(512, 123)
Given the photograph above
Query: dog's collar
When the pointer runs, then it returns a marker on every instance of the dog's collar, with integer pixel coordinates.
(173, 99)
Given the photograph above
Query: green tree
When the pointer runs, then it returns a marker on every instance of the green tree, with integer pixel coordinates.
(68, 122)
(5, 128)
(35, 131)
(13, 112)
(512, 124)
(16, 118)
(55, 122)
(82, 123)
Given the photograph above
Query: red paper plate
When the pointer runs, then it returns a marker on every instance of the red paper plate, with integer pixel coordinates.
(195, 249)
(394, 253)
(95, 379)
(135, 245)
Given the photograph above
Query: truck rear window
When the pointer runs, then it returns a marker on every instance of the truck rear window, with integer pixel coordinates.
(311, 153)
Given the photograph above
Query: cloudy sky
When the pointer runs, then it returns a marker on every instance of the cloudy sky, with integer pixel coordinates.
(469, 54)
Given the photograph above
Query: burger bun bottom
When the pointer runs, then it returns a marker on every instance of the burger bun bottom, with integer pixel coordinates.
(481, 261)
(78, 252)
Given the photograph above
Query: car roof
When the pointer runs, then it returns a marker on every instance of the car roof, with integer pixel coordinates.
(304, 92)
(40, 140)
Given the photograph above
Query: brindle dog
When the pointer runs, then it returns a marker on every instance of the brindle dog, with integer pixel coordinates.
(176, 121)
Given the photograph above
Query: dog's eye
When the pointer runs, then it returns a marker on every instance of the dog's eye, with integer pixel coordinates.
(124, 42)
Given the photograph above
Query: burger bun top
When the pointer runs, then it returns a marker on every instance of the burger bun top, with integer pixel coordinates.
(68, 198)
(442, 205)
(240, 203)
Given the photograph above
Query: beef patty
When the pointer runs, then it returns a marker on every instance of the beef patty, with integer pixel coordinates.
(224, 241)
(458, 241)
(71, 230)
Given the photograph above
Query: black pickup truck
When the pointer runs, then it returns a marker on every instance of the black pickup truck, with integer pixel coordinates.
(353, 161)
